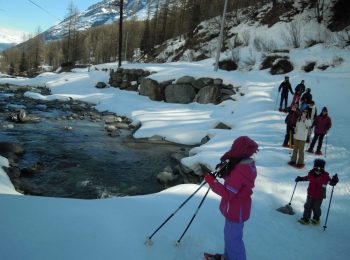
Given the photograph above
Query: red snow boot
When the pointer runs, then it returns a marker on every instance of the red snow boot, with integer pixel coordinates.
(318, 152)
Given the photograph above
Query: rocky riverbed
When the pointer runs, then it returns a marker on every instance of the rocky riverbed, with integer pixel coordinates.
(69, 149)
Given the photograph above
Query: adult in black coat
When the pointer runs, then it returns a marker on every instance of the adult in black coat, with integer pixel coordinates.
(306, 99)
(300, 88)
(284, 88)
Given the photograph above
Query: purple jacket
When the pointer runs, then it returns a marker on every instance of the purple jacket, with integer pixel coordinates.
(322, 124)
(236, 191)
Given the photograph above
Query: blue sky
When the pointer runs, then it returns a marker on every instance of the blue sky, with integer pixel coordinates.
(22, 15)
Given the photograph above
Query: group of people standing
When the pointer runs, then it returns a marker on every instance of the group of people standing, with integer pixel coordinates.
(302, 117)
(237, 168)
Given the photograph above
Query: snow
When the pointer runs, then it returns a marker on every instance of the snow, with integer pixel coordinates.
(116, 228)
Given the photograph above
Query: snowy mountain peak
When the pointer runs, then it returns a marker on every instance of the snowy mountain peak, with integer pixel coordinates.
(104, 12)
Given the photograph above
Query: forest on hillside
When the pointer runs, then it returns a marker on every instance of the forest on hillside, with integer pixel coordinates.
(139, 39)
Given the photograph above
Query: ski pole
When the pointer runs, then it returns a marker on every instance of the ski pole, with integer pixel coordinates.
(216, 172)
(277, 100)
(325, 149)
(329, 205)
(149, 239)
(290, 202)
(194, 215)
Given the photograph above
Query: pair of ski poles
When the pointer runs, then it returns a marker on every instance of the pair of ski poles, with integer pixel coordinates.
(215, 173)
(329, 205)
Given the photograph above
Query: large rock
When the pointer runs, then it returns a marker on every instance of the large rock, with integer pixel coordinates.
(186, 80)
(179, 93)
(208, 94)
(202, 82)
(151, 89)
(101, 85)
(10, 150)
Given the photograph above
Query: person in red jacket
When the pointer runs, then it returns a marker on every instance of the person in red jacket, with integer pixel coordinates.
(322, 124)
(236, 192)
(318, 179)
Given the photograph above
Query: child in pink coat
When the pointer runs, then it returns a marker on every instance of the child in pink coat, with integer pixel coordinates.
(236, 193)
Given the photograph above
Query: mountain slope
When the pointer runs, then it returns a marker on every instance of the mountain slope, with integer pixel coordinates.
(104, 12)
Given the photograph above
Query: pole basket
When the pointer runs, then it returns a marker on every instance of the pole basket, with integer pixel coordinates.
(148, 242)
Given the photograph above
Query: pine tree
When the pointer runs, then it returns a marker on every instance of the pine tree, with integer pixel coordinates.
(23, 66)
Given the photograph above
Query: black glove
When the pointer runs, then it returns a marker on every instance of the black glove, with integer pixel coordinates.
(298, 179)
(334, 180)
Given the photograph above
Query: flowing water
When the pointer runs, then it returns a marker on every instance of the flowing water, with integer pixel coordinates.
(79, 160)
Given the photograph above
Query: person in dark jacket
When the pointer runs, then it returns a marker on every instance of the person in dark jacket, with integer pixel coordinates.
(284, 88)
(298, 91)
(322, 124)
(318, 179)
(235, 193)
(305, 99)
(300, 88)
(291, 120)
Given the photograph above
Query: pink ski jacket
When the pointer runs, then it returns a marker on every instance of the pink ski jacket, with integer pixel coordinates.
(236, 191)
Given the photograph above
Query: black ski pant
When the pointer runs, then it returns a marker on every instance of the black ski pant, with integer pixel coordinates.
(320, 141)
(314, 206)
(284, 98)
(289, 135)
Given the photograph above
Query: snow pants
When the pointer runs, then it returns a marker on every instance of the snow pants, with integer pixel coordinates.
(314, 206)
(298, 151)
(288, 138)
(234, 245)
(285, 99)
(320, 141)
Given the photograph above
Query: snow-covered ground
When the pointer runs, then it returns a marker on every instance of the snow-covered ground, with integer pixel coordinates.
(116, 228)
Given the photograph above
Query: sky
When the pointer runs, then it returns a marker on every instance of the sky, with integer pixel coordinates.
(40, 228)
(24, 16)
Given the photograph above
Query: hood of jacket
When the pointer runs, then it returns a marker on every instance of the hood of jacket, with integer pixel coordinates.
(242, 147)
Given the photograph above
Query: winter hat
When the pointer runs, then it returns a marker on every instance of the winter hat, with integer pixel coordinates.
(242, 147)
(319, 163)
(324, 109)
(308, 90)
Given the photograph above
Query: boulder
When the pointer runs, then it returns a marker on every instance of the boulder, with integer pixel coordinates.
(101, 85)
(151, 89)
(202, 82)
(208, 94)
(179, 93)
(186, 80)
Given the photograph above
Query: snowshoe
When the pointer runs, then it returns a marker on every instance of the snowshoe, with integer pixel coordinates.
(304, 221)
(318, 153)
(315, 221)
(299, 165)
(208, 256)
(291, 163)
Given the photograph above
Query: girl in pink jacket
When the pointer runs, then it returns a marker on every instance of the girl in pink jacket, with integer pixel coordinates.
(235, 205)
